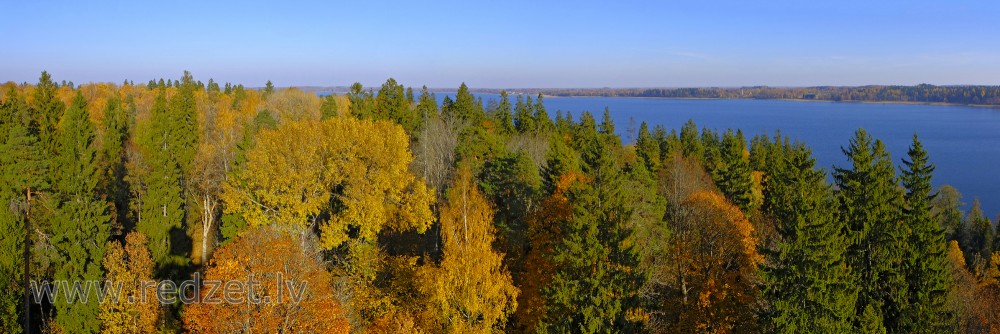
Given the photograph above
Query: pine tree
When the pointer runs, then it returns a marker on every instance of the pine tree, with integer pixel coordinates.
(427, 106)
(926, 262)
(869, 204)
(607, 126)
(82, 224)
(807, 284)
(362, 102)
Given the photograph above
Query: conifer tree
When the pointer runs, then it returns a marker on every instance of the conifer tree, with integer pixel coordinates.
(82, 225)
(22, 166)
(926, 261)
(734, 175)
(504, 123)
(523, 118)
(869, 204)
(427, 106)
(329, 107)
(807, 284)
(647, 148)
(47, 111)
(161, 206)
(691, 146)
(542, 121)
(596, 282)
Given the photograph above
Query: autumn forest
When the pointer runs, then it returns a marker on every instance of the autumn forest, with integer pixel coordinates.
(397, 214)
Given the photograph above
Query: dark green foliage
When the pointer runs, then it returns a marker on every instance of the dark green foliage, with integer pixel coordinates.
(329, 107)
(541, 117)
(733, 174)
(806, 282)
(82, 225)
(691, 146)
(869, 204)
(523, 119)
(648, 148)
(362, 102)
(393, 104)
(465, 106)
(977, 237)
(47, 110)
(21, 167)
(926, 264)
(427, 107)
(161, 202)
(504, 123)
(597, 280)
(511, 183)
(607, 124)
(268, 88)
(117, 122)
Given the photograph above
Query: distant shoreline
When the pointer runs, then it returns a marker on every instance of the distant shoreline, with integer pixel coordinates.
(993, 106)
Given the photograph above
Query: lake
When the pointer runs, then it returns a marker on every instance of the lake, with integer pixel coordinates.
(963, 142)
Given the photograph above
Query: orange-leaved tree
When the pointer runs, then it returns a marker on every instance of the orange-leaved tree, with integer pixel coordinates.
(291, 290)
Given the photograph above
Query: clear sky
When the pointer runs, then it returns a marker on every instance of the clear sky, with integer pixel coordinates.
(507, 44)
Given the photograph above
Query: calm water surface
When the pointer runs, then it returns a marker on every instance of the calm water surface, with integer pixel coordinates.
(963, 142)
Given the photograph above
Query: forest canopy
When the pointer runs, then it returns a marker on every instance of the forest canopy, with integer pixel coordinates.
(402, 215)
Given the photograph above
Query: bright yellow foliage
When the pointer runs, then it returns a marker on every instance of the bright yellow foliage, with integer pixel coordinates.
(353, 170)
(471, 291)
(133, 310)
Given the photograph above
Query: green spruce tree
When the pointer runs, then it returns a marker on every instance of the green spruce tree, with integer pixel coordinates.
(926, 263)
(870, 206)
(806, 281)
(82, 225)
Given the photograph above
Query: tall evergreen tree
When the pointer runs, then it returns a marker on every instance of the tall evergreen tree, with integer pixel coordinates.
(734, 175)
(362, 101)
(596, 282)
(117, 122)
(161, 205)
(82, 225)
(523, 119)
(505, 124)
(926, 263)
(47, 111)
(542, 120)
(329, 107)
(647, 148)
(691, 145)
(427, 106)
(869, 204)
(22, 166)
(806, 281)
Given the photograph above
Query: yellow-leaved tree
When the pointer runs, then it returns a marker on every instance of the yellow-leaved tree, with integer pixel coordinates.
(346, 178)
(341, 174)
(471, 291)
(132, 306)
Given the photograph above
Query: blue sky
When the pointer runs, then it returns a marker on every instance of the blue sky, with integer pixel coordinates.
(507, 43)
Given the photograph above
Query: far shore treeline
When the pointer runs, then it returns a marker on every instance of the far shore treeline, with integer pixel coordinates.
(404, 215)
(924, 93)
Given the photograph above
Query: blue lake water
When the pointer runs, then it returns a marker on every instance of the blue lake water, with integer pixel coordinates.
(963, 142)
